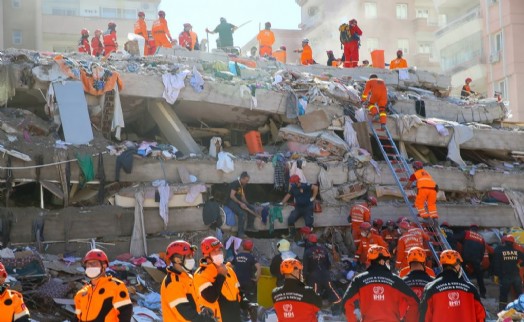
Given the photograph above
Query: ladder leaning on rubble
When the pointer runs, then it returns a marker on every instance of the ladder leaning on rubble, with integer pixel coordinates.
(401, 172)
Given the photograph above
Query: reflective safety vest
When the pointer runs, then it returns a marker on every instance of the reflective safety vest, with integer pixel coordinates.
(424, 179)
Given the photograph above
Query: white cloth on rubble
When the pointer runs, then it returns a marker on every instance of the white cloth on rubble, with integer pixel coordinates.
(361, 115)
(405, 123)
(194, 192)
(138, 245)
(225, 162)
(461, 134)
(295, 170)
(235, 241)
(164, 191)
(197, 81)
(349, 133)
(403, 74)
(213, 146)
(141, 42)
(172, 85)
(117, 124)
(244, 89)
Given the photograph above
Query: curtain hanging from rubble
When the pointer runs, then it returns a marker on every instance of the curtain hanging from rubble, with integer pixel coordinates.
(138, 246)
(164, 191)
(328, 193)
(7, 84)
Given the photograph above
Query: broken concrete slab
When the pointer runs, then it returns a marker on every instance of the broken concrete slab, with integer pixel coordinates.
(327, 140)
(314, 121)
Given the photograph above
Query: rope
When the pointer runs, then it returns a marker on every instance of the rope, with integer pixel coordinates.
(44, 165)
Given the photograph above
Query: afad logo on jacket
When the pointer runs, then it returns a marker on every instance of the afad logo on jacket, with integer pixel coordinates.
(454, 299)
(378, 293)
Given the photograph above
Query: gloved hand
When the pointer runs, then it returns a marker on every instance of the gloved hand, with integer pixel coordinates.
(496, 280)
(357, 313)
(311, 199)
(253, 311)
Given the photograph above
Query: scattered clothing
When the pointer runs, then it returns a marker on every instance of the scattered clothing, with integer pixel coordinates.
(172, 85)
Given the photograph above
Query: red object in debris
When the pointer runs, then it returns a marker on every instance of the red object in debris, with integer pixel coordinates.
(254, 142)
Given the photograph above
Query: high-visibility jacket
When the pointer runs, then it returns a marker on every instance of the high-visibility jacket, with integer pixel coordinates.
(407, 241)
(307, 55)
(398, 63)
(106, 301)
(161, 33)
(266, 38)
(194, 40)
(376, 87)
(391, 237)
(424, 179)
(295, 301)
(97, 46)
(365, 242)
(280, 55)
(214, 290)
(141, 29)
(83, 46)
(359, 213)
(178, 297)
(110, 44)
(12, 307)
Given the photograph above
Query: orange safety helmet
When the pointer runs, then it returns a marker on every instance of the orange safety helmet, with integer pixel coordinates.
(377, 251)
(95, 254)
(312, 238)
(3, 271)
(404, 225)
(365, 226)
(450, 257)
(84, 32)
(180, 247)
(209, 244)
(141, 14)
(417, 165)
(468, 80)
(111, 24)
(289, 265)
(247, 244)
(416, 254)
(508, 239)
(162, 13)
(372, 200)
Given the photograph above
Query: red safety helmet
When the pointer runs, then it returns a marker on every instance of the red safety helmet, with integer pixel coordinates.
(353, 20)
(365, 226)
(98, 31)
(401, 219)
(468, 80)
(305, 230)
(417, 165)
(404, 225)
(450, 257)
(209, 244)
(400, 52)
(294, 179)
(95, 254)
(111, 24)
(247, 244)
(141, 14)
(312, 238)
(289, 265)
(372, 201)
(390, 223)
(445, 223)
(180, 247)
(3, 271)
(508, 239)
(416, 254)
(377, 251)
(378, 222)
(84, 32)
(162, 13)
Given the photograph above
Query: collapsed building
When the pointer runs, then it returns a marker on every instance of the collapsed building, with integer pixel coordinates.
(93, 146)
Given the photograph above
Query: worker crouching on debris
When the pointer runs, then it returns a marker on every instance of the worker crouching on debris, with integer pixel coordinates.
(378, 294)
(368, 238)
(376, 95)
(294, 301)
(506, 269)
(426, 191)
(12, 307)
(304, 195)
(217, 284)
(104, 298)
(449, 297)
(417, 274)
(238, 204)
(178, 295)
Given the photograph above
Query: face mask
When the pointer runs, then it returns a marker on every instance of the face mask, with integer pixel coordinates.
(363, 234)
(93, 272)
(189, 264)
(218, 259)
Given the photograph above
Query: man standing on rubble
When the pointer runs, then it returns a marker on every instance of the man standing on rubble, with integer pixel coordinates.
(351, 43)
(161, 32)
(426, 191)
(398, 62)
(376, 95)
(266, 39)
(110, 43)
(97, 44)
(449, 297)
(306, 53)
(248, 270)
(304, 195)
(358, 214)
(506, 269)
(184, 39)
(104, 298)
(12, 306)
(379, 295)
(225, 33)
(178, 295)
(238, 204)
(473, 248)
(83, 43)
(417, 274)
(141, 30)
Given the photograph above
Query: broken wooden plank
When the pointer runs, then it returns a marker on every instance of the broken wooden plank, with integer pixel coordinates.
(53, 188)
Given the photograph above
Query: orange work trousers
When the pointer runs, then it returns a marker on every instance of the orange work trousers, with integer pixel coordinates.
(381, 111)
(427, 197)
(161, 40)
(265, 50)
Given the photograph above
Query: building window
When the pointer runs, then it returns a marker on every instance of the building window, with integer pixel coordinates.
(498, 44)
(501, 88)
(63, 12)
(402, 11)
(17, 37)
(16, 3)
(422, 13)
(370, 10)
(108, 12)
(403, 44)
(442, 20)
(371, 44)
(424, 48)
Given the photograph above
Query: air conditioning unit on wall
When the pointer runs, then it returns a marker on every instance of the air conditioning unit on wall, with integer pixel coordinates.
(494, 57)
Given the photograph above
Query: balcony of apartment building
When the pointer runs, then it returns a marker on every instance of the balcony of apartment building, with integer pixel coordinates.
(464, 26)
(443, 5)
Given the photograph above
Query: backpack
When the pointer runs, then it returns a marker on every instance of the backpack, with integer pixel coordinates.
(344, 33)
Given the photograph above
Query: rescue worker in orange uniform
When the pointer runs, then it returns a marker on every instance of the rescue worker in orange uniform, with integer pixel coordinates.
(426, 191)
(466, 91)
(12, 306)
(390, 235)
(161, 31)
(104, 298)
(376, 94)
(184, 39)
(96, 44)
(110, 43)
(398, 62)
(178, 295)
(407, 240)
(417, 274)
(379, 295)
(266, 39)
(281, 54)
(83, 43)
(217, 284)
(367, 238)
(306, 57)
(358, 214)
(141, 30)
(195, 45)
(449, 297)
(351, 48)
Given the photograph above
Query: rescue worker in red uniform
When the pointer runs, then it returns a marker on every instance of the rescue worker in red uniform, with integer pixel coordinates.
(217, 284)
(184, 39)
(367, 239)
(161, 32)
(83, 43)
(12, 306)
(96, 44)
(407, 240)
(426, 191)
(141, 30)
(378, 294)
(110, 43)
(294, 301)
(473, 248)
(178, 295)
(266, 39)
(376, 95)
(466, 91)
(449, 297)
(104, 298)
(417, 274)
(506, 269)
(390, 235)
(358, 214)
(377, 225)
(351, 47)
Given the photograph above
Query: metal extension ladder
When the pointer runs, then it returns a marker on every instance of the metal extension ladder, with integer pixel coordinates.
(401, 172)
